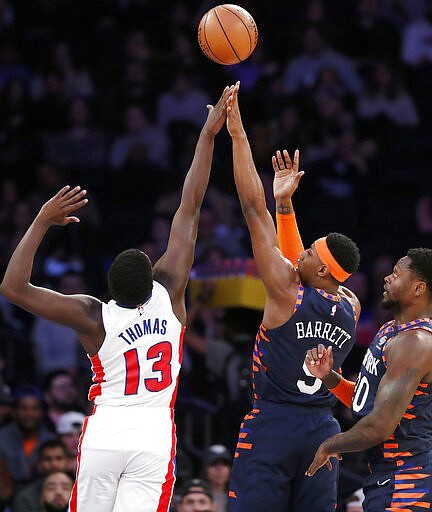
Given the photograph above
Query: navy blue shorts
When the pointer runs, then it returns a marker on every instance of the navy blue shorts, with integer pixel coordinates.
(277, 443)
(408, 488)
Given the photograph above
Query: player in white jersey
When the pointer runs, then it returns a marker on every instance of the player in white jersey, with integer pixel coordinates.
(127, 448)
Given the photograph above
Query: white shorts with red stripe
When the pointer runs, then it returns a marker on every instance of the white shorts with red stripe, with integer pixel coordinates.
(125, 461)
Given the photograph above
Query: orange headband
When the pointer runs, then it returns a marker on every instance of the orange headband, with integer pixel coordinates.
(327, 258)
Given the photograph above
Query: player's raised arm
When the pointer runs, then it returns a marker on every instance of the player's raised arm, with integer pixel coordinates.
(174, 266)
(276, 274)
(286, 179)
(76, 311)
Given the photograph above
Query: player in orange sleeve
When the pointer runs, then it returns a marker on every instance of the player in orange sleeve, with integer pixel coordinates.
(305, 305)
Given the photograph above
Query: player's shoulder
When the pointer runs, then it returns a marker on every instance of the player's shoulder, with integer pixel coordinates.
(349, 295)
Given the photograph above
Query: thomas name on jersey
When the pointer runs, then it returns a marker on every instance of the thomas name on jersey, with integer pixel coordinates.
(323, 330)
(146, 326)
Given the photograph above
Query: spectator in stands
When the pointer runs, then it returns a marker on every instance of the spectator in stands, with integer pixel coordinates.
(139, 132)
(301, 72)
(83, 146)
(385, 96)
(21, 439)
(417, 39)
(217, 470)
(49, 354)
(182, 102)
(56, 492)
(77, 78)
(60, 393)
(195, 496)
(69, 428)
(52, 458)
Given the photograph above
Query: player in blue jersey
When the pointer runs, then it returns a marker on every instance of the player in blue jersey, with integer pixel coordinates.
(307, 305)
(392, 399)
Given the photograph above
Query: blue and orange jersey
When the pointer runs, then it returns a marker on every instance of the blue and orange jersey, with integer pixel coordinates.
(278, 371)
(413, 435)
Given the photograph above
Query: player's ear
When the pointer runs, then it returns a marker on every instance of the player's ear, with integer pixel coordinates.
(323, 271)
(420, 288)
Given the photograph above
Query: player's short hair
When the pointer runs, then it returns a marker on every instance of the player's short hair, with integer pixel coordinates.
(130, 278)
(421, 264)
(344, 251)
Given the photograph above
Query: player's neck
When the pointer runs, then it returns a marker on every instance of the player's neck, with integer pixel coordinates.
(411, 313)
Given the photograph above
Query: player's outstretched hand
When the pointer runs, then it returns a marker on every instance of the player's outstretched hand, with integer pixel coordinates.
(319, 361)
(234, 121)
(56, 211)
(217, 114)
(286, 174)
(322, 457)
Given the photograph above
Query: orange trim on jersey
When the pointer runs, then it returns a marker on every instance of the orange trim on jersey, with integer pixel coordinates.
(290, 241)
(344, 391)
(413, 476)
(327, 258)
(232, 494)
(244, 446)
(404, 486)
(408, 494)
(420, 504)
(389, 455)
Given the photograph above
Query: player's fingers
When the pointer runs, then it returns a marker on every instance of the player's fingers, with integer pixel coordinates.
(296, 159)
(313, 468)
(75, 206)
(298, 176)
(62, 191)
(78, 194)
(71, 220)
(329, 465)
(280, 161)
(274, 164)
(288, 162)
(321, 350)
(312, 356)
(74, 193)
(70, 192)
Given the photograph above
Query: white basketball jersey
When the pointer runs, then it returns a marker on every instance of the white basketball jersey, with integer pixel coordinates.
(139, 360)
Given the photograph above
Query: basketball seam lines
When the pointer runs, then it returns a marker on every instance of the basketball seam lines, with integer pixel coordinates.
(244, 24)
(208, 44)
(225, 34)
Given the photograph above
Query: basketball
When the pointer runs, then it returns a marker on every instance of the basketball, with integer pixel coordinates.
(227, 34)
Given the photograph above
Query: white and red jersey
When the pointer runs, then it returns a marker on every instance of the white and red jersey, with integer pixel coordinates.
(139, 360)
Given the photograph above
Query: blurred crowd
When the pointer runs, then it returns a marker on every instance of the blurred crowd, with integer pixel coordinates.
(111, 95)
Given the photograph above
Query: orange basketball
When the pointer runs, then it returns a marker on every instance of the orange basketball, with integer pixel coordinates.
(227, 34)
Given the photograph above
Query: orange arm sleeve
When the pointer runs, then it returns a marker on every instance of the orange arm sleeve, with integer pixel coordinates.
(344, 391)
(290, 241)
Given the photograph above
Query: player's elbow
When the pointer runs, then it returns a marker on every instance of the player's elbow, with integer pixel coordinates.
(380, 431)
(10, 290)
(250, 209)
